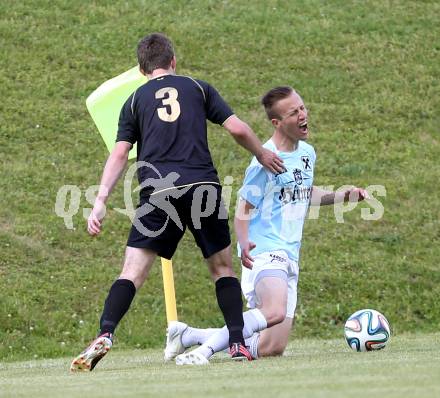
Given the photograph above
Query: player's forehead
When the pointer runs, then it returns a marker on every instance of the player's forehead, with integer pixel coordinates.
(290, 103)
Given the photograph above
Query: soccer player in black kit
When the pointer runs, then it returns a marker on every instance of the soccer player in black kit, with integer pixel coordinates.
(166, 117)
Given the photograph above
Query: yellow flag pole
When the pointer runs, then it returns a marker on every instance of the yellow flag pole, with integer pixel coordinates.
(168, 289)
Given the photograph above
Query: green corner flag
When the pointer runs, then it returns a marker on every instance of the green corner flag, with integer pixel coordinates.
(105, 104)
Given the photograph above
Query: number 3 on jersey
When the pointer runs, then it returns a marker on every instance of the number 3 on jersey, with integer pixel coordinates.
(171, 101)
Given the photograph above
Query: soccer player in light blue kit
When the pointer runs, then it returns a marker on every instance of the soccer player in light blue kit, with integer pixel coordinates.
(268, 223)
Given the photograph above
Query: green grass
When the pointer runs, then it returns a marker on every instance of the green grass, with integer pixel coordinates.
(369, 74)
(408, 367)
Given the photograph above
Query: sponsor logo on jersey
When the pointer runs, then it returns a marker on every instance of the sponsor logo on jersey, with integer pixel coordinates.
(295, 194)
(275, 257)
(298, 176)
(306, 163)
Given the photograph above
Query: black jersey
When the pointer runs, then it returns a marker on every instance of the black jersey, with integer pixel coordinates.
(167, 118)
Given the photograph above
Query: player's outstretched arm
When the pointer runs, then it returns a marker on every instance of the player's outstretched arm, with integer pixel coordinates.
(244, 135)
(321, 197)
(241, 224)
(113, 169)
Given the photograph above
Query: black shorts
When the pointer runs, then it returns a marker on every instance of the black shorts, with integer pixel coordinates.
(162, 218)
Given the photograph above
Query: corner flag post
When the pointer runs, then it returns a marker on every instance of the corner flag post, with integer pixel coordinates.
(104, 105)
(168, 289)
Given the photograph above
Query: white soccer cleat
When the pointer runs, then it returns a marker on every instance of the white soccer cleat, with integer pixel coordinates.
(87, 360)
(174, 345)
(191, 358)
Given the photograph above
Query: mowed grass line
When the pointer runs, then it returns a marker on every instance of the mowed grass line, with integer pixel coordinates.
(408, 367)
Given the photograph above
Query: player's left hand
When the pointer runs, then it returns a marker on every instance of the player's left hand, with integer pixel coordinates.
(356, 195)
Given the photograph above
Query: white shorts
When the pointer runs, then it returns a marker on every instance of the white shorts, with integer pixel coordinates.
(276, 260)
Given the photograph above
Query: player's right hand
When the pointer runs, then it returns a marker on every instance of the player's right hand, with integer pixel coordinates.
(94, 221)
(246, 258)
(271, 161)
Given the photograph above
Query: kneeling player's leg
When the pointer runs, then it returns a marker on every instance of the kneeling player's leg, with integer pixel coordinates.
(271, 295)
(254, 321)
(273, 341)
(137, 265)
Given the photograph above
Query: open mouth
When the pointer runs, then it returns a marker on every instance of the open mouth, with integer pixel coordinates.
(303, 127)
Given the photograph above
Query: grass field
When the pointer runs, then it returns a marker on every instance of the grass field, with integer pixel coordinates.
(408, 367)
(369, 73)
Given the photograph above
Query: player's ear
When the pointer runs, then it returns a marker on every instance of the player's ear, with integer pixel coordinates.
(173, 63)
(275, 122)
(142, 71)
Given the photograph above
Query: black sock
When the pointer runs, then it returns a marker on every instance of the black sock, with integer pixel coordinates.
(116, 305)
(229, 299)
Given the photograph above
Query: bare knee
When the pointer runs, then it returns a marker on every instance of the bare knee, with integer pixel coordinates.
(274, 316)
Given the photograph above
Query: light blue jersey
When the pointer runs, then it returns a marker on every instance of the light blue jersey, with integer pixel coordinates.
(281, 202)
